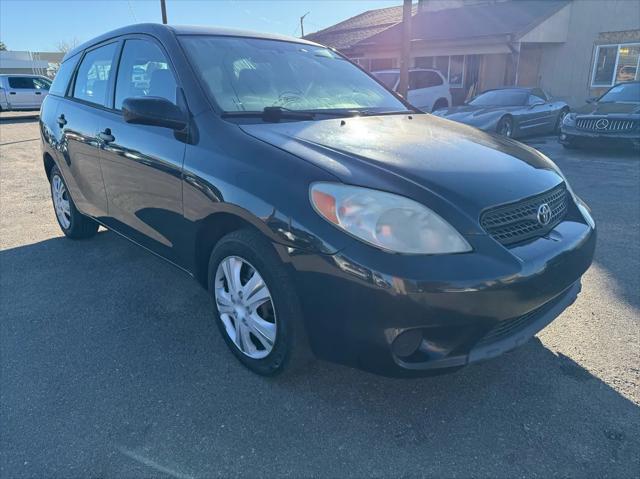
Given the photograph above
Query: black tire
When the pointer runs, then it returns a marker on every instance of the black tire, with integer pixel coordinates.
(440, 103)
(291, 352)
(505, 126)
(563, 113)
(81, 226)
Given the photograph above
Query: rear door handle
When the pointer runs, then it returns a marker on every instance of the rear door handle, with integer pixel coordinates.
(12, 93)
(61, 121)
(38, 93)
(106, 136)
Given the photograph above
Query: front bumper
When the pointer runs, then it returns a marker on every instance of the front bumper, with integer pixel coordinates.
(402, 315)
(570, 135)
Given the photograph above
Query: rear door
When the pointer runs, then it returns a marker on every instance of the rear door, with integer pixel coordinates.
(142, 165)
(78, 115)
(424, 89)
(22, 93)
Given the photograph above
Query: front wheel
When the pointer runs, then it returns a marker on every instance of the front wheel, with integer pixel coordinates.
(73, 224)
(255, 304)
(505, 126)
(564, 112)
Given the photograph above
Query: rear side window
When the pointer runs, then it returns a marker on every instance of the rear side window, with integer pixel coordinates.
(21, 83)
(92, 79)
(61, 80)
(423, 79)
(144, 71)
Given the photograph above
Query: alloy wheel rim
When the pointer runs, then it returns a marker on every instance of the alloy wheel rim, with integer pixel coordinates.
(506, 129)
(61, 202)
(245, 307)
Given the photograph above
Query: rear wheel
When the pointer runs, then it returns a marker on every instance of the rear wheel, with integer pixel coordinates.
(73, 224)
(256, 306)
(441, 103)
(505, 126)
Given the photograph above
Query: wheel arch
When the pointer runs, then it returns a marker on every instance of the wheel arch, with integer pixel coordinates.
(213, 228)
(49, 163)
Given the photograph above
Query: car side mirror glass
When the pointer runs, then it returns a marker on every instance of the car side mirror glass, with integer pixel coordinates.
(154, 111)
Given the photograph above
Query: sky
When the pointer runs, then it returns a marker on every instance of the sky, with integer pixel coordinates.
(39, 25)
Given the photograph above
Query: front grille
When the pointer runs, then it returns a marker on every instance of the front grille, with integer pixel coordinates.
(605, 124)
(511, 326)
(519, 221)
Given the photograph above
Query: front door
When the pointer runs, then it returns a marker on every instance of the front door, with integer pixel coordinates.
(78, 118)
(142, 165)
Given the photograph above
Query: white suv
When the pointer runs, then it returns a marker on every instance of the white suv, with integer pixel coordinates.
(428, 89)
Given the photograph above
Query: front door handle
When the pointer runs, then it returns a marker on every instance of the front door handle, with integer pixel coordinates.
(106, 136)
(38, 93)
(12, 93)
(61, 121)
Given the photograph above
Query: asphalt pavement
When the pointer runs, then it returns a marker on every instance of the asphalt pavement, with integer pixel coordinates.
(111, 365)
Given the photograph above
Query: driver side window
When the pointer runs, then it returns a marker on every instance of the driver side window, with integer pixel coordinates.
(535, 100)
(144, 71)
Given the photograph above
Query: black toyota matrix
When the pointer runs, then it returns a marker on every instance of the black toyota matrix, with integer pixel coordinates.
(324, 214)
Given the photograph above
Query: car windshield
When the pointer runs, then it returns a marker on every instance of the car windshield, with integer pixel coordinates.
(500, 98)
(249, 74)
(627, 92)
(388, 78)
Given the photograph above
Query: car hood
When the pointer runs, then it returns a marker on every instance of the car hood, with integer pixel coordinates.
(597, 108)
(471, 111)
(453, 163)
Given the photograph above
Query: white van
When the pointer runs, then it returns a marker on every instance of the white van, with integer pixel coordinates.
(428, 89)
(23, 92)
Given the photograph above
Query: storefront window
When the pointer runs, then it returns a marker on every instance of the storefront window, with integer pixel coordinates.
(615, 64)
(451, 67)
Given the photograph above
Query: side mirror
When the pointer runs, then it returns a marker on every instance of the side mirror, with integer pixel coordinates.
(154, 111)
(592, 99)
(537, 103)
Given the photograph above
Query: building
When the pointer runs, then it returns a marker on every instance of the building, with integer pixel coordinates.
(574, 49)
(30, 63)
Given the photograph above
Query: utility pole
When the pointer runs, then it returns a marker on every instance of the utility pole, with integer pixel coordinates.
(163, 7)
(403, 87)
(302, 24)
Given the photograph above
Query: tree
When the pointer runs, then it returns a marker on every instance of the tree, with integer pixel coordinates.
(64, 46)
(3, 47)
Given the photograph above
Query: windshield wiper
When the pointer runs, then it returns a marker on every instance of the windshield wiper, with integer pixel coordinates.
(276, 113)
(271, 114)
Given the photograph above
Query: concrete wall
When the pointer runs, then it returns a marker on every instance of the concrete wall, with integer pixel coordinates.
(565, 68)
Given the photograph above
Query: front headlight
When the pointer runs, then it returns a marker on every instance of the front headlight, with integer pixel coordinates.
(390, 222)
(585, 211)
(569, 119)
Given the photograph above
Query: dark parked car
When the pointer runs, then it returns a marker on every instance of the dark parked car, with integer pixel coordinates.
(613, 119)
(512, 112)
(318, 209)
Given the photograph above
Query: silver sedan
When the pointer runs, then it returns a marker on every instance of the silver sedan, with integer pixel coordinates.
(512, 112)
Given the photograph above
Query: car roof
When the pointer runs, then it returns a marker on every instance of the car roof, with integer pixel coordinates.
(514, 88)
(397, 70)
(157, 29)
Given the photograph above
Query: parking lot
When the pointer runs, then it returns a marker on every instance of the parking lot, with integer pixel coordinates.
(111, 365)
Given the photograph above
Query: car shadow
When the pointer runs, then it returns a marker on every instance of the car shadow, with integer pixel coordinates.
(112, 366)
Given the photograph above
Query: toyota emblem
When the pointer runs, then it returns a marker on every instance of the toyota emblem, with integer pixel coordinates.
(544, 214)
(602, 124)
